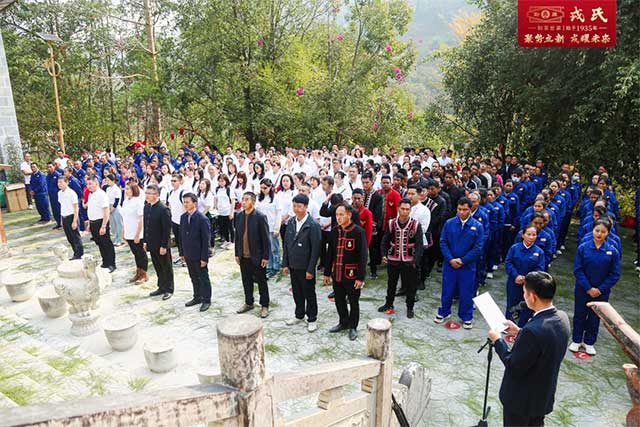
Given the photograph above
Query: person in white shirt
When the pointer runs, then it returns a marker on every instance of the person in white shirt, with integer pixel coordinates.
(354, 178)
(174, 201)
(285, 196)
(313, 208)
(69, 212)
(98, 213)
(114, 193)
(25, 168)
(268, 205)
(339, 187)
(224, 202)
(133, 224)
(63, 162)
(443, 159)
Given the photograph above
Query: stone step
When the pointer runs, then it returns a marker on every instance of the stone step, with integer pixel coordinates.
(22, 390)
(5, 402)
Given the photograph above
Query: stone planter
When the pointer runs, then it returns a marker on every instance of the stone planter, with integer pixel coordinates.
(20, 286)
(52, 304)
(79, 284)
(160, 356)
(121, 330)
(209, 375)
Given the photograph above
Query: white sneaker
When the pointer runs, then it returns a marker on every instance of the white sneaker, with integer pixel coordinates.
(494, 268)
(489, 275)
(293, 321)
(574, 347)
(440, 319)
(590, 350)
(562, 248)
(30, 206)
(467, 325)
(558, 252)
(312, 326)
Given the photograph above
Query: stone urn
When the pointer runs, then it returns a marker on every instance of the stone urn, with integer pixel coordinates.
(79, 284)
(160, 355)
(121, 330)
(20, 286)
(52, 304)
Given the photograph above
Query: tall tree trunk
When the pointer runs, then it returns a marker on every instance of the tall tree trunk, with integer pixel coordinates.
(156, 124)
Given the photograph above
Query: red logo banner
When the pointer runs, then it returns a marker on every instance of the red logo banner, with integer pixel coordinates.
(567, 23)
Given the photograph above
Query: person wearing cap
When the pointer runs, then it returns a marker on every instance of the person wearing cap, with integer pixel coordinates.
(195, 238)
(301, 250)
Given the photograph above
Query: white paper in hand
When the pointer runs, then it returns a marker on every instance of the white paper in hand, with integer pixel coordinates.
(491, 312)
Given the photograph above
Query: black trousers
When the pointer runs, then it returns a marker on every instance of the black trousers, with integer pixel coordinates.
(344, 291)
(105, 245)
(323, 248)
(164, 269)
(224, 224)
(176, 233)
(137, 249)
(375, 258)
(251, 273)
(199, 280)
(73, 236)
(304, 294)
(430, 256)
(511, 419)
(409, 275)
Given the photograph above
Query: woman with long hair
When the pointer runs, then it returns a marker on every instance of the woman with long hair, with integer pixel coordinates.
(133, 222)
(258, 174)
(268, 205)
(224, 202)
(285, 197)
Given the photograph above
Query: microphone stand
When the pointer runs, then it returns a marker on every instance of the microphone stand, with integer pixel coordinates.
(485, 409)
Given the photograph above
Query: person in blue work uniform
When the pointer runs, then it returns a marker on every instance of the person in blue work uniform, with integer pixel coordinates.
(544, 240)
(596, 269)
(609, 196)
(522, 258)
(52, 189)
(461, 243)
(480, 214)
(40, 194)
(496, 228)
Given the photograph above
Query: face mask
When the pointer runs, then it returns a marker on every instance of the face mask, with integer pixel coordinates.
(515, 179)
(575, 179)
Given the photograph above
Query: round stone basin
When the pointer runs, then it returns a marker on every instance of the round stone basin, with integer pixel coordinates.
(20, 286)
(52, 304)
(121, 330)
(160, 355)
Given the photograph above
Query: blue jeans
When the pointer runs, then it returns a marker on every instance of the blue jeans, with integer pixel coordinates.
(274, 255)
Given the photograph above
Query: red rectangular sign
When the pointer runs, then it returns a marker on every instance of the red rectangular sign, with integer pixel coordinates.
(567, 23)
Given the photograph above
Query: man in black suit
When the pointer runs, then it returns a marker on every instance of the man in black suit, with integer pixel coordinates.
(252, 248)
(373, 202)
(301, 251)
(195, 237)
(531, 366)
(157, 230)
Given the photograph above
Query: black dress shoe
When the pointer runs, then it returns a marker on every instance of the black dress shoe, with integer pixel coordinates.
(112, 268)
(156, 293)
(332, 295)
(166, 296)
(409, 314)
(73, 258)
(337, 328)
(205, 306)
(192, 302)
(353, 334)
(57, 227)
(374, 276)
(421, 286)
(401, 292)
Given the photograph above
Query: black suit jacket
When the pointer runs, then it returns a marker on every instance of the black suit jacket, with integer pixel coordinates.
(377, 211)
(259, 243)
(301, 250)
(195, 236)
(157, 226)
(531, 367)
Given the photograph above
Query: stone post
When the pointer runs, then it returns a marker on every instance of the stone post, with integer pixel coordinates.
(10, 147)
(379, 347)
(241, 357)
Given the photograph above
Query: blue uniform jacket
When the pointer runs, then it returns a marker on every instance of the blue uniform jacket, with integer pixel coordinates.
(611, 238)
(52, 184)
(522, 260)
(596, 268)
(39, 183)
(544, 241)
(464, 242)
(511, 209)
(482, 217)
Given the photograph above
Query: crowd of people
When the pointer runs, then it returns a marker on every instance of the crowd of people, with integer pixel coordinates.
(344, 213)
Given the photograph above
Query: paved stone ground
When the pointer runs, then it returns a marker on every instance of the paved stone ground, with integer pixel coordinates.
(590, 392)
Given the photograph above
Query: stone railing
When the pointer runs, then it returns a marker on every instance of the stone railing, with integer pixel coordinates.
(246, 395)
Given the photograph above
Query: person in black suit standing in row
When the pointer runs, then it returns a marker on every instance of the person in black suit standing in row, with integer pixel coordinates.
(252, 249)
(157, 230)
(195, 237)
(373, 202)
(531, 366)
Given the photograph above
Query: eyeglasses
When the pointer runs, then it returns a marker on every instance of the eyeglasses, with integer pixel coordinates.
(174, 180)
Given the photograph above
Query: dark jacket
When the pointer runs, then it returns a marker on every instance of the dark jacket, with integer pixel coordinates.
(195, 236)
(157, 226)
(531, 367)
(355, 254)
(376, 208)
(302, 250)
(259, 242)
